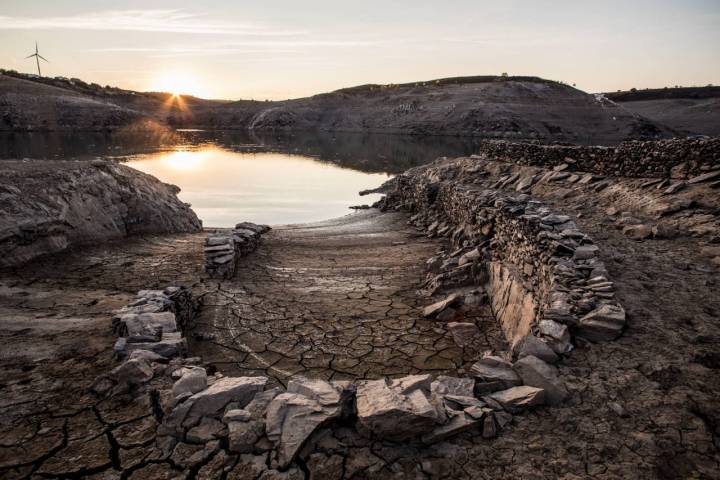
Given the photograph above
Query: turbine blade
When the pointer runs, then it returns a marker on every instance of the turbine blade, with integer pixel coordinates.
(30, 56)
(44, 58)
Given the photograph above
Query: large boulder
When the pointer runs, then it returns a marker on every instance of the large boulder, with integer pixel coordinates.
(397, 410)
(293, 416)
(536, 373)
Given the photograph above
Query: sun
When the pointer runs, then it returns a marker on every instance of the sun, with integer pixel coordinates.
(178, 83)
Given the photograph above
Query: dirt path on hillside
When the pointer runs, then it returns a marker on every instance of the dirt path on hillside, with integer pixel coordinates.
(336, 300)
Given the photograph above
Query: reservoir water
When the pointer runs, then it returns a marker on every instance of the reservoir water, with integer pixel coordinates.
(230, 176)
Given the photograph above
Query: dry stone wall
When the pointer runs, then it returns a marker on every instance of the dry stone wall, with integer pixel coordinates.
(677, 158)
(543, 276)
(224, 247)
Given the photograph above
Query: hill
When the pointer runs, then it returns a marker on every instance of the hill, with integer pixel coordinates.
(693, 110)
(482, 106)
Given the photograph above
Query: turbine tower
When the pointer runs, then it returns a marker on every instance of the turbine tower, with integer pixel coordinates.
(37, 58)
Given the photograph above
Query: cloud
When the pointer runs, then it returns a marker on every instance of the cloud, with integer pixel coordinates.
(235, 48)
(170, 21)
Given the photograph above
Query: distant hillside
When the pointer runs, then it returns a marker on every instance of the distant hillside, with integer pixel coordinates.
(693, 110)
(481, 106)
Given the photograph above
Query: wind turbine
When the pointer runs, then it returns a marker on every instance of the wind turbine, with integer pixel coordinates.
(37, 58)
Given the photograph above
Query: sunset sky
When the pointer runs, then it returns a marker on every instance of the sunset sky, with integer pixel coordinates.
(285, 49)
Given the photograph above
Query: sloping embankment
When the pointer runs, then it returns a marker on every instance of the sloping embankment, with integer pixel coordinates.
(47, 206)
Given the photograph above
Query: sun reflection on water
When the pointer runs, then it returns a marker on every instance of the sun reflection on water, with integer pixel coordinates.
(225, 187)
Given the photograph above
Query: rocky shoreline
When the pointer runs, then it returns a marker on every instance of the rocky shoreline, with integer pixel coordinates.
(48, 206)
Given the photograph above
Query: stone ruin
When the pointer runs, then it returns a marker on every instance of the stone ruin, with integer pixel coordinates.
(540, 274)
(224, 247)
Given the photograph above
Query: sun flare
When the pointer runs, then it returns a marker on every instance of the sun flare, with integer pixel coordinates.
(178, 83)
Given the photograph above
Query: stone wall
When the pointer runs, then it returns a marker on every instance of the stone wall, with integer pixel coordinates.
(223, 248)
(543, 275)
(678, 157)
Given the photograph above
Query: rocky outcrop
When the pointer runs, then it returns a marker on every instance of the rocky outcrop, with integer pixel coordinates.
(224, 247)
(48, 206)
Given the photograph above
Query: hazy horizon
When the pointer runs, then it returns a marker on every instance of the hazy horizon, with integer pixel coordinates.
(284, 50)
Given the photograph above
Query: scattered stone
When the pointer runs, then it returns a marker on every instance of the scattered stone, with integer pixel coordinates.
(437, 307)
(638, 232)
(602, 324)
(532, 345)
(516, 398)
(495, 369)
(463, 333)
(536, 373)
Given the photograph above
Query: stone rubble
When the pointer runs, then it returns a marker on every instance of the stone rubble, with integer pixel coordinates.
(224, 247)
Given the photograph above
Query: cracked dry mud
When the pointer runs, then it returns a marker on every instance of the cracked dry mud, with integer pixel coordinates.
(334, 300)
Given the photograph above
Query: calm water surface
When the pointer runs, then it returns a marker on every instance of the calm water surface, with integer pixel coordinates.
(230, 177)
(225, 187)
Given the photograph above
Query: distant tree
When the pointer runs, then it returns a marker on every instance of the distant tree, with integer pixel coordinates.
(504, 74)
(633, 89)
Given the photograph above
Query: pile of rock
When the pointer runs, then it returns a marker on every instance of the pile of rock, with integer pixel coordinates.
(254, 422)
(677, 157)
(150, 332)
(224, 247)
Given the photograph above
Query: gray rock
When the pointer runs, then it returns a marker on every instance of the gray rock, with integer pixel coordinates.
(193, 381)
(148, 356)
(132, 372)
(585, 252)
(259, 404)
(249, 467)
(171, 345)
(469, 257)
(444, 385)
(705, 177)
(495, 369)
(212, 400)
(463, 333)
(516, 398)
(237, 415)
(536, 373)
(398, 411)
(437, 307)
(208, 429)
(556, 335)
(602, 324)
(243, 436)
(149, 323)
(458, 422)
(638, 232)
(532, 345)
(293, 416)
